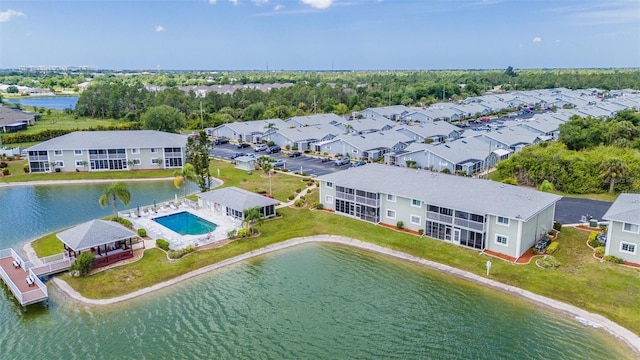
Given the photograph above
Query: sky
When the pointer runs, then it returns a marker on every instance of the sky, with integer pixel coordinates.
(320, 34)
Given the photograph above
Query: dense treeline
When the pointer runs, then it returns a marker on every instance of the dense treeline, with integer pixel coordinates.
(591, 156)
(48, 134)
(317, 92)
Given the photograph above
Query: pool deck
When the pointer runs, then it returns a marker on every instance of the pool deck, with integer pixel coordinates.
(155, 231)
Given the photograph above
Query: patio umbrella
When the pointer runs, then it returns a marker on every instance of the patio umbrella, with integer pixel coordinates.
(154, 204)
(138, 210)
(176, 199)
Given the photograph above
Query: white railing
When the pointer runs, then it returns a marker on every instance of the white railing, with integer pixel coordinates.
(469, 224)
(17, 257)
(39, 283)
(54, 258)
(5, 253)
(13, 287)
(439, 217)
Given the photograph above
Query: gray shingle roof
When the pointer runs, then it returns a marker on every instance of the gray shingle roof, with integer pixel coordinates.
(94, 233)
(626, 209)
(81, 140)
(457, 192)
(237, 198)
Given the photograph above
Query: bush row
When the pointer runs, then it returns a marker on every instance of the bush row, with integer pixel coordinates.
(162, 244)
(53, 133)
(553, 247)
(177, 254)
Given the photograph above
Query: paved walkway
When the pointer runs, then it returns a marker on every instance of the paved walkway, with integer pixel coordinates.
(586, 318)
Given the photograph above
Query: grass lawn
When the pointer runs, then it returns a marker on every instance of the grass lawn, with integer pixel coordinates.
(47, 245)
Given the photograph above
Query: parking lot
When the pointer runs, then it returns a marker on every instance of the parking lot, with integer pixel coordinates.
(303, 164)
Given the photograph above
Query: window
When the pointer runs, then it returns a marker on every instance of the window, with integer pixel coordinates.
(628, 247)
(136, 162)
(391, 198)
(502, 220)
(135, 151)
(632, 228)
(415, 219)
(329, 184)
(354, 151)
(57, 152)
(156, 161)
(80, 163)
(77, 152)
(502, 240)
(60, 164)
(391, 214)
(154, 150)
(416, 203)
(328, 199)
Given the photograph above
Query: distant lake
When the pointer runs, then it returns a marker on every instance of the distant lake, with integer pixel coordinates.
(48, 102)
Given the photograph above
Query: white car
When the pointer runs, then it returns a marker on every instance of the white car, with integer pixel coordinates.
(279, 163)
(261, 147)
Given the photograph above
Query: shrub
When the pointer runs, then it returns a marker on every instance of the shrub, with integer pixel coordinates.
(599, 251)
(548, 261)
(400, 224)
(26, 168)
(319, 206)
(553, 247)
(162, 244)
(6, 172)
(3, 165)
(122, 221)
(445, 171)
(298, 190)
(557, 226)
(291, 197)
(243, 233)
(421, 232)
(613, 259)
(177, 254)
(231, 233)
(593, 239)
(83, 264)
(142, 232)
(546, 186)
(304, 173)
(261, 192)
(298, 203)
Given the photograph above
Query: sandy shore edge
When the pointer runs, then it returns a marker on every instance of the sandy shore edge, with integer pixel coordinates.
(585, 317)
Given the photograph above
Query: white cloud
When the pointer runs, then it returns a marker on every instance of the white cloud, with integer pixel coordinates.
(537, 39)
(9, 14)
(278, 7)
(318, 4)
(234, 2)
(212, 2)
(160, 28)
(260, 2)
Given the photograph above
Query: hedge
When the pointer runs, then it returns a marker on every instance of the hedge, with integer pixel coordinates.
(553, 247)
(53, 133)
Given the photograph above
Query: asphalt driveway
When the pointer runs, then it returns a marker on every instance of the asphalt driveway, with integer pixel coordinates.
(570, 210)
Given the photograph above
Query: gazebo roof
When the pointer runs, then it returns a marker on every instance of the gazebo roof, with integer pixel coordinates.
(94, 233)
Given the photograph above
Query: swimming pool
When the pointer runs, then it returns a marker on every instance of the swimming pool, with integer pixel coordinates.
(185, 223)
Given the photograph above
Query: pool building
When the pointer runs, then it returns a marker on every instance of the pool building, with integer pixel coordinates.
(474, 213)
(233, 202)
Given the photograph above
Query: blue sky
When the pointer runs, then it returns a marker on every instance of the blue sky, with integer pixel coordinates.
(320, 34)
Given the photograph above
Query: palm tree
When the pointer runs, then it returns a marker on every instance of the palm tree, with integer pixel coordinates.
(116, 191)
(252, 218)
(182, 176)
(348, 128)
(270, 126)
(613, 169)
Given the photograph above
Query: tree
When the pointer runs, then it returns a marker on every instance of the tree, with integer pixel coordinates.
(83, 264)
(12, 89)
(265, 163)
(613, 169)
(198, 156)
(116, 191)
(269, 128)
(510, 73)
(163, 118)
(580, 133)
(184, 175)
(252, 218)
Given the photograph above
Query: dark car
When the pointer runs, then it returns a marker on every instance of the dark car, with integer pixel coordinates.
(273, 149)
(238, 154)
(220, 141)
(295, 154)
(358, 163)
(243, 145)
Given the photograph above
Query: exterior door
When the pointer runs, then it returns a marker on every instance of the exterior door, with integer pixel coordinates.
(456, 236)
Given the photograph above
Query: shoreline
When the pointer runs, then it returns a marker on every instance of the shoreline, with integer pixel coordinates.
(79, 181)
(588, 319)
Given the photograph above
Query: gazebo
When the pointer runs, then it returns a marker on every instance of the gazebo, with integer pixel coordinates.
(109, 241)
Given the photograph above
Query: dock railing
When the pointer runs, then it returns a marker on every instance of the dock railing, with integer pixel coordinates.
(5, 253)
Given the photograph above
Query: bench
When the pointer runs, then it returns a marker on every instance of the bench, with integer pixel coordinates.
(16, 264)
(30, 281)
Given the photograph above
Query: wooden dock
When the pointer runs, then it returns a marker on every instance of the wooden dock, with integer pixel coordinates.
(16, 279)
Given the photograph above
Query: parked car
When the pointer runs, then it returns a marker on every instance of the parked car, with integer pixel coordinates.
(273, 149)
(325, 159)
(242, 145)
(342, 161)
(358, 163)
(220, 141)
(462, 125)
(261, 147)
(235, 155)
(295, 154)
(279, 163)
